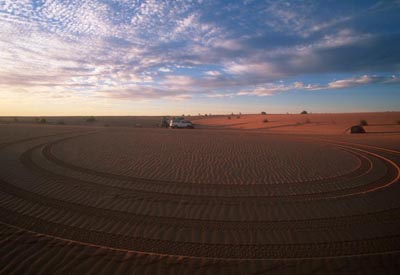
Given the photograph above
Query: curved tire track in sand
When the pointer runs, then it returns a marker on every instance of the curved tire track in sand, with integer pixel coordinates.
(29, 218)
(363, 170)
(68, 257)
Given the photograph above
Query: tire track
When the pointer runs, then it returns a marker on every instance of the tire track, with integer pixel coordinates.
(386, 244)
(48, 153)
(366, 167)
(348, 246)
(7, 144)
(137, 219)
(69, 255)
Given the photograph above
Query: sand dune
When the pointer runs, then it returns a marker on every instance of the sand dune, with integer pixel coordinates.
(102, 200)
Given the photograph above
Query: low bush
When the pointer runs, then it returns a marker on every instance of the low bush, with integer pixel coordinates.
(363, 122)
(263, 113)
(265, 120)
(357, 129)
(91, 119)
(304, 112)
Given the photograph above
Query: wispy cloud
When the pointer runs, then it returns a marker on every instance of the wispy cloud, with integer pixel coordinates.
(143, 93)
(213, 73)
(128, 49)
(363, 80)
(272, 88)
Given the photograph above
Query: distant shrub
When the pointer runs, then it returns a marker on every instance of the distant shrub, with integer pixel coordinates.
(363, 122)
(357, 129)
(238, 117)
(263, 113)
(205, 115)
(42, 120)
(16, 119)
(265, 120)
(304, 112)
(91, 119)
(229, 117)
(308, 120)
(61, 123)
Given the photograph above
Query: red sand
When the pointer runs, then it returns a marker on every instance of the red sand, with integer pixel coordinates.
(213, 200)
(305, 124)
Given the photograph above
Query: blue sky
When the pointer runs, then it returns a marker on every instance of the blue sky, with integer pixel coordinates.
(137, 57)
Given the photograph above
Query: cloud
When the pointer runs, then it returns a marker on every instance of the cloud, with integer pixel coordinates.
(165, 70)
(160, 49)
(363, 80)
(213, 73)
(273, 88)
(254, 70)
(221, 95)
(140, 93)
(227, 44)
(178, 81)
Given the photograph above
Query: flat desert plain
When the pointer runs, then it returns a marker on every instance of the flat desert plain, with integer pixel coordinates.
(249, 194)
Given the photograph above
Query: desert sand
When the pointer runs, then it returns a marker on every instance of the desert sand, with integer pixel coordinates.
(296, 194)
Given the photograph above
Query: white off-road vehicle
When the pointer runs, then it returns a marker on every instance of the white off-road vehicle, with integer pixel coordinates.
(180, 124)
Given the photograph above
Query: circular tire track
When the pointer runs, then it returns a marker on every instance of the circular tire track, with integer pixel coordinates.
(364, 170)
(349, 246)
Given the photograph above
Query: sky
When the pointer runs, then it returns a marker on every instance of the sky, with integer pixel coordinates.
(149, 57)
